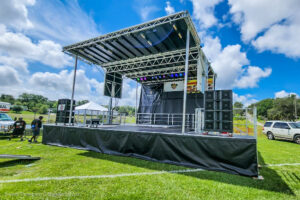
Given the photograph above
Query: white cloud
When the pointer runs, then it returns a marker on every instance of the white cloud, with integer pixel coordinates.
(146, 11)
(283, 93)
(59, 21)
(9, 77)
(19, 46)
(257, 15)
(230, 64)
(281, 38)
(169, 9)
(277, 21)
(59, 85)
(246, 100)
(252, 76)
(203, 11)
(18, 64)
(14, 13)
(62, 21)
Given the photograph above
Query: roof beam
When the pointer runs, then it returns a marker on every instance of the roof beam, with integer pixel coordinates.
(94, 55)
(138, 28)
(126, 49)
(140, 43)
(136, 50)
(117, 51)
(87, 57)
(101, 50)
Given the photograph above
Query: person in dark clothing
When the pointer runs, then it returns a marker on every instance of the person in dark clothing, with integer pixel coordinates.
(19, 128)
(36, 125)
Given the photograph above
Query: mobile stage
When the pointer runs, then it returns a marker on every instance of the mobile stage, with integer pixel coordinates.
(165, 57)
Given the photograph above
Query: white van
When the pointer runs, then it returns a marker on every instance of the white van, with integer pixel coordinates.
(282, 130)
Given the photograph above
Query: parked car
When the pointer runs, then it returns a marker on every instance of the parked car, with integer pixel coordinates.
(282, 130)
(6, 123)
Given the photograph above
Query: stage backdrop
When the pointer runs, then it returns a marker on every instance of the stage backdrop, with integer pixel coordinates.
(153, 99)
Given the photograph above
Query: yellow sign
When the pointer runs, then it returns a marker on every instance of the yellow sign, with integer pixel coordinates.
(210, 83)
(192, 86)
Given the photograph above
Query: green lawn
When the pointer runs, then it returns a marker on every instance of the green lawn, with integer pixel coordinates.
(279, 182)
(29, 116)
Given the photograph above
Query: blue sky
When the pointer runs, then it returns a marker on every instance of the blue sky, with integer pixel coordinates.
(254, 47)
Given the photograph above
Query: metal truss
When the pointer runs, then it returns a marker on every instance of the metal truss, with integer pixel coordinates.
(166, 80)
(148, 25)
(164, 59)
(162, 71)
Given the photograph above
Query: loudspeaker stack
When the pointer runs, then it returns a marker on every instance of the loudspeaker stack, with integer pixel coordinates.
(218, 111)
(63, 111)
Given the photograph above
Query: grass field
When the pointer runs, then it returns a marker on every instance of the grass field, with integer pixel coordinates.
(280, 182)
(29, 116)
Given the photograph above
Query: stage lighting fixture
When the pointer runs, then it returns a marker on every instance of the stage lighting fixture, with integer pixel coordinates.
(179, 34)
(143, 36)
(174, 26)
(176, 75)
(159, 76)
(180, 74)
(145, 78)
(156, 77)
(137, 79)
(172, 75)
(152, 77)
(164, 76)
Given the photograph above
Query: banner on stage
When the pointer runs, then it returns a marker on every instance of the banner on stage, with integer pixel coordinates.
(173, 86)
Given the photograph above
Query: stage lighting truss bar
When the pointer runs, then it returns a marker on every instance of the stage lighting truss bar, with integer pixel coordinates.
(141, 27)
(163, 59)
(167, 80)
(161, 71)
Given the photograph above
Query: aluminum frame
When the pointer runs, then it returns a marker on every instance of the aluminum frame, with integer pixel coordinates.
(148, 25)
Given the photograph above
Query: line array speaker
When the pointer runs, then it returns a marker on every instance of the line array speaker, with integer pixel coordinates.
(218, 111)
(63, 111)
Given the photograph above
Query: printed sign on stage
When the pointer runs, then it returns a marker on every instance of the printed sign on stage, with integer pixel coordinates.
(210, 84)
(61, 107)
(192, 86)
(173, 86)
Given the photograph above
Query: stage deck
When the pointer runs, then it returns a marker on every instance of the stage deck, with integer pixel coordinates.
(236, 155)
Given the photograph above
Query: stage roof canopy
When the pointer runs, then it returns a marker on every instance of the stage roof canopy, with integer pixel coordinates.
(154, 48)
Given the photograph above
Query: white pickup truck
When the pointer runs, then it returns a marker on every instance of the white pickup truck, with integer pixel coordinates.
(282, 130)
(6, 123)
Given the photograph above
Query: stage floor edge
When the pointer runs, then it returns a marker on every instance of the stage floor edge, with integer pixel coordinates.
(235, 155)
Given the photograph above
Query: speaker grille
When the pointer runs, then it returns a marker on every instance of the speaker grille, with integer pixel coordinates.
(218, 111)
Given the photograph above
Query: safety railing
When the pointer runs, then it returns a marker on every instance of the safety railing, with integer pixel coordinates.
(95, 118)
(245, 121)
(171, 119)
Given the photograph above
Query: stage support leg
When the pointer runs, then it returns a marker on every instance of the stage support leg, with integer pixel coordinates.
(84, 118)
(186, 71)
(136, 100)
(73, 89)
(110, 111)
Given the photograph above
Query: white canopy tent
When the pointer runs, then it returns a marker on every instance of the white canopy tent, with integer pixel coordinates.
(90, 108)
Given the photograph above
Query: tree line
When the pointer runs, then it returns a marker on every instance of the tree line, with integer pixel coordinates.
(287, 108)
(31, 102)
(40, 104)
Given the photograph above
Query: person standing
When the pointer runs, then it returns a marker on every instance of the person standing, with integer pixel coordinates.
(19, 128)
(36, 125)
